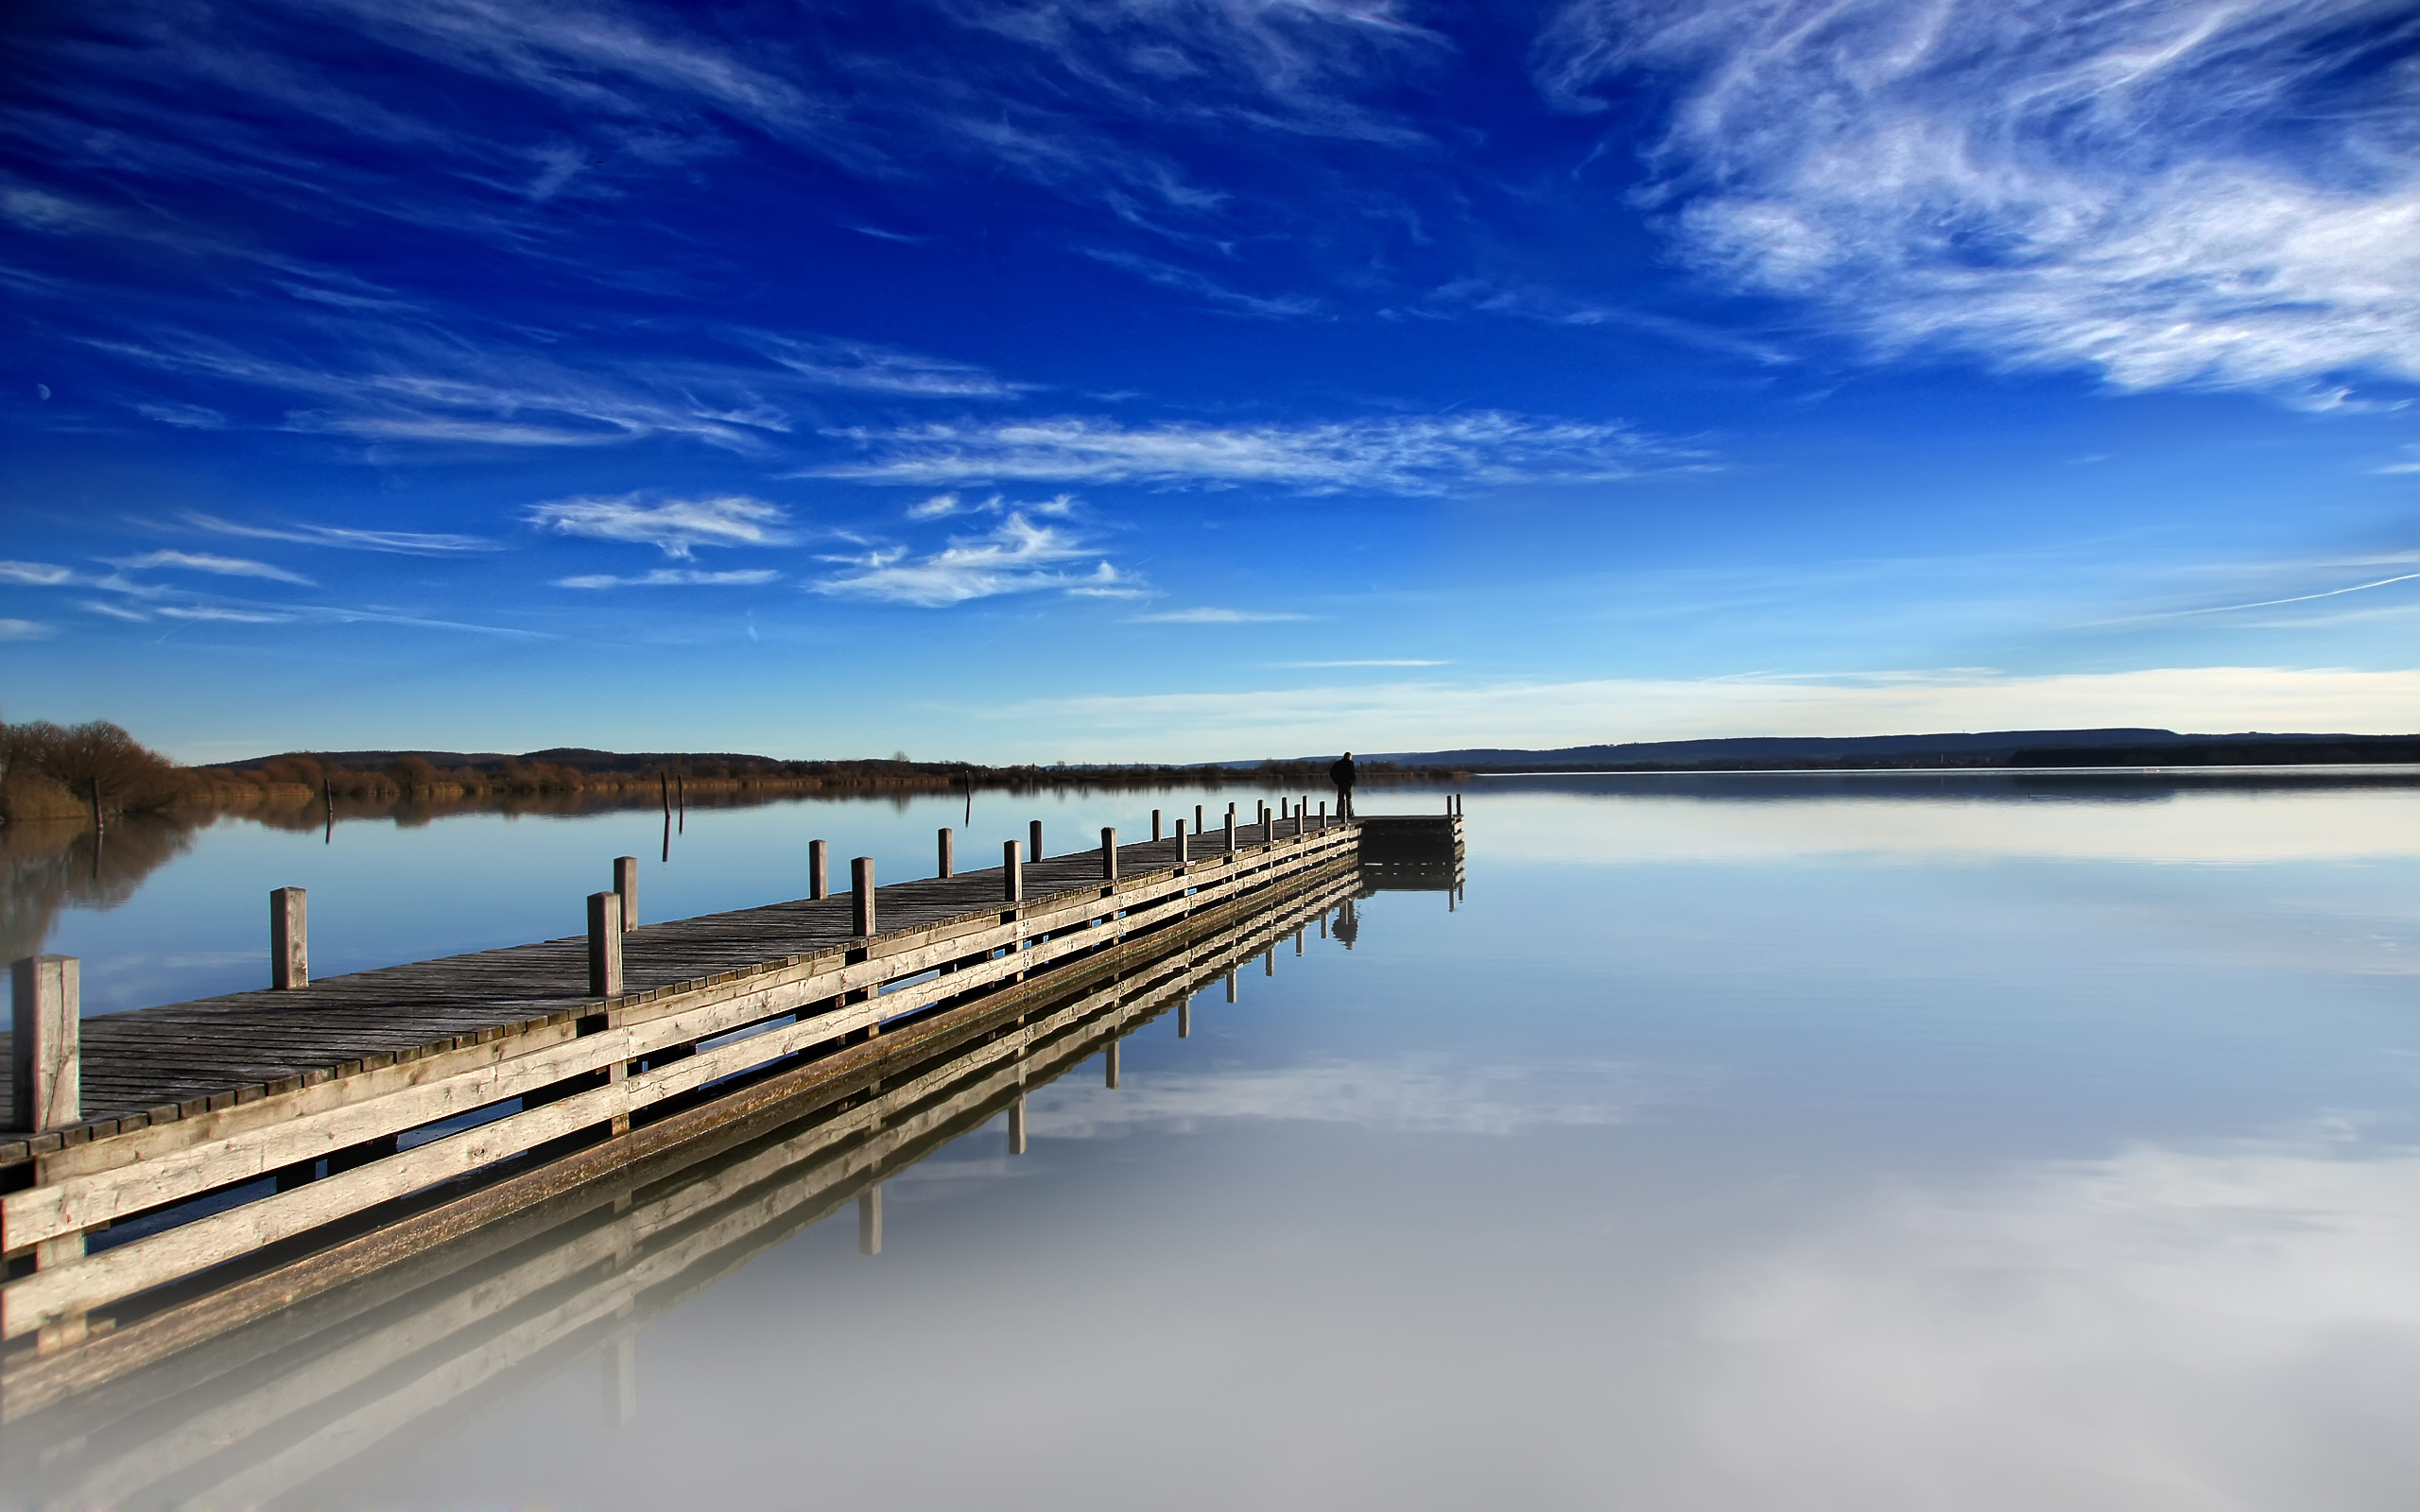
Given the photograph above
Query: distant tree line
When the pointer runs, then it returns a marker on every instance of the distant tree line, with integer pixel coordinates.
(52, 771)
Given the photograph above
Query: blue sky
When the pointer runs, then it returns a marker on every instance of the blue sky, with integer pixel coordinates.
(1178, 381)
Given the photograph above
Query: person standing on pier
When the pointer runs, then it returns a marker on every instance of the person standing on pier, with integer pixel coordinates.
(1342, 775)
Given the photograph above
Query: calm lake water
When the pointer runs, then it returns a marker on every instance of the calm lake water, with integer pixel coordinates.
(1738, 1141)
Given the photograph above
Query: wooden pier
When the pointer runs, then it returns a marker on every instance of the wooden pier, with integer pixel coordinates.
(284, 1407)
(228, 1158)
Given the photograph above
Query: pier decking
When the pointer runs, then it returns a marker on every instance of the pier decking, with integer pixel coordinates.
(258, 1133)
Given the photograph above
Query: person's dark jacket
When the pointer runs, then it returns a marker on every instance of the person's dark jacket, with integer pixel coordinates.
(1343, 773)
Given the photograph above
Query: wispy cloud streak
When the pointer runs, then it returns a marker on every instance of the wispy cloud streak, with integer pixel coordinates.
(2201, 192)
(1429, 455)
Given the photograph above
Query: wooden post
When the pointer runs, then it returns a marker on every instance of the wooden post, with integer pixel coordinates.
(1323, 813)
(1011, 874)
(948, 853)
(1182, 855)
(1298, 940)
(289, 939)
(1033, 844)
(626, 882)
(1198, 825)
(1155, 824)
(862, 919)
(604, 944)
(1184, 1017)
(1231, 829)
(1231, 986)
(870, 1221)
(1108, 854)
(1108, 1077)
(96, 809)
(46, 1009)
(1269, 962)
(1016, 1125)
(819, 869)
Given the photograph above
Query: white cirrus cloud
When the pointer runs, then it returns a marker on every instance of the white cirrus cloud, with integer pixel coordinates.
(674, 526)
(25, 630)
(674, 578)
(398, 543)
(1420, 455)
(866, 368)
(1208, 616)
(116, 612)
(202, 561)
(36, 574)
(2199, 192)
(216, 614)
(1018, 557)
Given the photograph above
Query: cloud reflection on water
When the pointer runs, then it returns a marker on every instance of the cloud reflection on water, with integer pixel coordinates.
(2164, 1327)
(1745, 819)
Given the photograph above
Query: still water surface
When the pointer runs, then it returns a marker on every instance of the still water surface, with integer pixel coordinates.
(1773, 1142)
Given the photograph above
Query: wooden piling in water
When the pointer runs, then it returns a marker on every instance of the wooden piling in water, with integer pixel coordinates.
(1033, 842)
(819, 869)
(1184, 857)
(1108, 854)
(1155, 824)
(861, 909)
(289, 939)
(1012, 873)
(45, 1020)
(626, 882)
(604, 944)
(948, 853)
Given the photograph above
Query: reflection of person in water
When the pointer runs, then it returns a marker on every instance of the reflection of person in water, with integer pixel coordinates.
(1348, 923)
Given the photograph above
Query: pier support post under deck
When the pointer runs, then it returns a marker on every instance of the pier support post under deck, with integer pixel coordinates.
(948, 853)
(604, 944)
(626, 882)
(861, 917)
(289, 938)
(45, 1018)
(819, 869)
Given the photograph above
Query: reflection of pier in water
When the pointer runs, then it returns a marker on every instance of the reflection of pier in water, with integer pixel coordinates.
(268, 1411)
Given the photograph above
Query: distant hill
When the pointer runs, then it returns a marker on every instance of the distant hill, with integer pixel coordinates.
(1996, 748)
